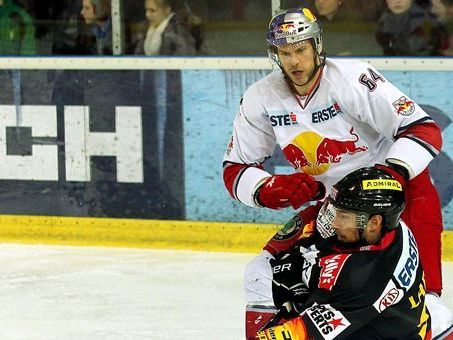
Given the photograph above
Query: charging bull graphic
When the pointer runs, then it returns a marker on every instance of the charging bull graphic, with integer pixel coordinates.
(314, 154)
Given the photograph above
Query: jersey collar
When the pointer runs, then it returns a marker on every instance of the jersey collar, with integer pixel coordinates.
(304, 100)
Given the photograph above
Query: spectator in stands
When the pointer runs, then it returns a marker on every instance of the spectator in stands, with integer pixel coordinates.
(328, 8)
(72, 36)
(331, 15)
(324, 9)
(17, 32)
(96, 13)
(168, 32)
(444, 10)
(405, 28)
(370, 11)
(285, 4)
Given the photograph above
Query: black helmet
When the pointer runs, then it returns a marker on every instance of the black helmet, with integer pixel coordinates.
(370, 191)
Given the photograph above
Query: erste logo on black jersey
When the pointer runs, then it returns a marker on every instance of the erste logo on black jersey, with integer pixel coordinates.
(408, 264)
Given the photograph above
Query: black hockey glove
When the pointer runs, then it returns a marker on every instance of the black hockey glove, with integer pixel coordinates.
(287, 283)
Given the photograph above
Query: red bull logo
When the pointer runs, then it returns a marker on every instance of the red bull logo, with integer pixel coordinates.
(285, 30)
(285, 27)
(404, 106)
(314, 154)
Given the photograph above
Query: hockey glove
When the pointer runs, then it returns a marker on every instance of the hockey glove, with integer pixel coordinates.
(293, 329)
(398, 172)
(282, 191)
(287, 283)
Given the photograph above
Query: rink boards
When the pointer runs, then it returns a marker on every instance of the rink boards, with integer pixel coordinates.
(191, 235)
(128, 151)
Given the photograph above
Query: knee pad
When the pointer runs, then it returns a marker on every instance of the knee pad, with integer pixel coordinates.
(258, 281)
(256, 317)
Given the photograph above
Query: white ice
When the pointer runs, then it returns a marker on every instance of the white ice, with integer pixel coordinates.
(60, 292)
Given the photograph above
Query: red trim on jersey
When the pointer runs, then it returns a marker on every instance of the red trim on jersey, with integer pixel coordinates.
(384, 242)
(429, 133)
(231, 175)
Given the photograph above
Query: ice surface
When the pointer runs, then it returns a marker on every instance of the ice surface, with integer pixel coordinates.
(60, 292)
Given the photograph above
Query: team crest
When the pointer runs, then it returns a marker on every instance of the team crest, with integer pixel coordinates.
(404, 106)
(289, 229)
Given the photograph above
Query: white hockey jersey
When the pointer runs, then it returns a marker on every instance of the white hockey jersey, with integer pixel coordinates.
(352, 118)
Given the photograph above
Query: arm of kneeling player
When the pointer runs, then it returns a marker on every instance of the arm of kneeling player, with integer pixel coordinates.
(299, 229)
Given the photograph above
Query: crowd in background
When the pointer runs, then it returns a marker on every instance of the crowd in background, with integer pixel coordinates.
(214, 27)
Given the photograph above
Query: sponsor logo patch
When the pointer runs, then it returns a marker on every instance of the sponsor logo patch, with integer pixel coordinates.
(285, 30)
(329, 322)
(389, 299)
(387, 184)
(407, 273)
(325, 114)
(331, 268)
(390, 296)
(289, 119)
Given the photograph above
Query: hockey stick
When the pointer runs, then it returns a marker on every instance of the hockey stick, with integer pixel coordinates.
(273, 321)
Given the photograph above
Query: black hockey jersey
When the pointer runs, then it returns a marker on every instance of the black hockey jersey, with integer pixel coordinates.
(366, 292)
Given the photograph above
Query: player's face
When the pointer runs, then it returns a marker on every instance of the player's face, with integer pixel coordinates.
(298, 61)
(88, 12)
(155, 12)
(345, 226)
(399, 6)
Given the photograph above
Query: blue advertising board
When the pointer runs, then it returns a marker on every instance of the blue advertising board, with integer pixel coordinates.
(211, 100)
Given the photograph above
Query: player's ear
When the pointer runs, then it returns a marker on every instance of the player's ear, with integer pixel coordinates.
(375, 223)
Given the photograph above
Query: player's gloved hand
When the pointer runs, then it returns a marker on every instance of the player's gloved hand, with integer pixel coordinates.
(282, 191)
(292, 329)
(287, 283)
(398, 172)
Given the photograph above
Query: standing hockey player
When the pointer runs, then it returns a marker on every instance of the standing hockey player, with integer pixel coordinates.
(366, 282)
(331, 117)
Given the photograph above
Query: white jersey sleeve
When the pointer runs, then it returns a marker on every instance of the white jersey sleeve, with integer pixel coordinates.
(370, 97)
(253, 141)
